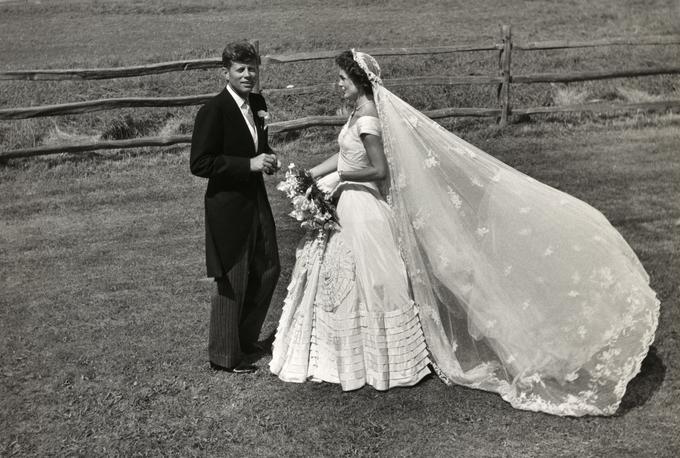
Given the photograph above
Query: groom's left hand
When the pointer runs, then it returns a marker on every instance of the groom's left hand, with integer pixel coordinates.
(273, 170)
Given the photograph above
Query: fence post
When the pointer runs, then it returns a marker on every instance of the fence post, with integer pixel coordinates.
(256, 43)
(504, 64)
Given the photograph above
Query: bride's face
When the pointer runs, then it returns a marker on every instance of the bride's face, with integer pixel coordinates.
(347, 86)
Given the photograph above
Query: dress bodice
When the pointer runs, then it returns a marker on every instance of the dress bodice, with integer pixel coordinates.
(352, 154)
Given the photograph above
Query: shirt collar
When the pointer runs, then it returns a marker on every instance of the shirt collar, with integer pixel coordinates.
(237, 98)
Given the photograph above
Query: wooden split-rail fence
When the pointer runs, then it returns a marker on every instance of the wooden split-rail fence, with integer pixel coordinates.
(504, 80)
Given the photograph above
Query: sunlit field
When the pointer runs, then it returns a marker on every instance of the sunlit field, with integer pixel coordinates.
(103, 301)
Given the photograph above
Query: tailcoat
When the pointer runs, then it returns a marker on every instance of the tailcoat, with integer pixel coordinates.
(221, 149)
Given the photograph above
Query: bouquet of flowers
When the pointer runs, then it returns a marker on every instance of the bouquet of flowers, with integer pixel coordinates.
(311, 206)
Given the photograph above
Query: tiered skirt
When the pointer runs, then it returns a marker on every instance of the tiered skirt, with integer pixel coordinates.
(348, 317)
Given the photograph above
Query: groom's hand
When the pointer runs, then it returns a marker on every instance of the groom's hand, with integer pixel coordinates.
(263, 163)
(274, 169)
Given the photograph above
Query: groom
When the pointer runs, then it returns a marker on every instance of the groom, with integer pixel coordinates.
(229, 147)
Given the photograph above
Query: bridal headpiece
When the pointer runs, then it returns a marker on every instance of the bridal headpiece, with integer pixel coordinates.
(369, 65)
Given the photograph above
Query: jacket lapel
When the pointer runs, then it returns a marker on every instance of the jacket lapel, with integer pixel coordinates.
(235, 118)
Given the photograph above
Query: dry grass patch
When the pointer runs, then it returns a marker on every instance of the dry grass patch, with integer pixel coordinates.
(104, 315)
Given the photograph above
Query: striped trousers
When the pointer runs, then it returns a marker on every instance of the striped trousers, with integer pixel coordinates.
(242, 299)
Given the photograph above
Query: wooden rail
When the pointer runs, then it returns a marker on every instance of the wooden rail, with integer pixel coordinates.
(214, 62)
(325, 121)
(140, 102)
(504, 80)
(101, 105)
(593, 75)
(601, 107)
(566, 44)
(110, 73)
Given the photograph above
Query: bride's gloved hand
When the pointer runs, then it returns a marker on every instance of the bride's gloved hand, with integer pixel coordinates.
(328, 183)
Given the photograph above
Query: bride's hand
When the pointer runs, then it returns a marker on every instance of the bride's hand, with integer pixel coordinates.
(328, 183)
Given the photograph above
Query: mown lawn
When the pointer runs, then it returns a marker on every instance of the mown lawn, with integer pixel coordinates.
(103, 303)
(104, 311)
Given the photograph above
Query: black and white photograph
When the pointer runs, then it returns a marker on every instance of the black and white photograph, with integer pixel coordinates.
(374, 228)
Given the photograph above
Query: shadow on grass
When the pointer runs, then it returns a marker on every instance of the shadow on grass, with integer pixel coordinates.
(645, 384)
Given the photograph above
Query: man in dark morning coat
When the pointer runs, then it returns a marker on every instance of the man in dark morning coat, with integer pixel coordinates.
(229, 147)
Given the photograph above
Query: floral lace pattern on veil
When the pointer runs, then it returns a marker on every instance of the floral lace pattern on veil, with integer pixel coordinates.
(522, 289)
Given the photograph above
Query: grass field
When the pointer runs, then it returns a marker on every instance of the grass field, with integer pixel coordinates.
(103, 304)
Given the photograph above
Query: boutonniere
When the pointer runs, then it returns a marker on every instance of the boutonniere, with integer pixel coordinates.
(264, 118)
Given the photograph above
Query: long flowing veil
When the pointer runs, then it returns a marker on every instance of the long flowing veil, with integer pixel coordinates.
(522, 289)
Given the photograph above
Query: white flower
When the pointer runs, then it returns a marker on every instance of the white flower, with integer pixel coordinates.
(573, 293)
(419, 277)
(482, 231)
(454, 198)
(582, 331)
(570, 377)
(607, 277)
(443, 260)
(431, 161)
(609, 354)
(454, 344)
(418, 221)
(533, 379)
(434, 315)
(525, 305)
(507, 270)
(548, 251)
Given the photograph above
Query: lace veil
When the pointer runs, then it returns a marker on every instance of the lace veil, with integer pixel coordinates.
(522, 289)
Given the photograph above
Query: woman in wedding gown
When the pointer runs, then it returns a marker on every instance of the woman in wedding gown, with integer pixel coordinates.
(349, 317)
(447, 256)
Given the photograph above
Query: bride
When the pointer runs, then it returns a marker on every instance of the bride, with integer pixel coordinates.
(450, 259)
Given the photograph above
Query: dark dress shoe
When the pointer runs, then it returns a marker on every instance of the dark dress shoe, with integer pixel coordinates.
(240, 368)
(252, 349)
(263, 347)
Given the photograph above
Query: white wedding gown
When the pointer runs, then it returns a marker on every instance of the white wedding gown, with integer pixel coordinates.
(519, 288)
(348, 317)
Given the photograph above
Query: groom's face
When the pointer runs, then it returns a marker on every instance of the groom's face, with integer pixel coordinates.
(242, 77)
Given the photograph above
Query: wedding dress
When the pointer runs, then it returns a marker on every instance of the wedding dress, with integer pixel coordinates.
(520, 289)
(348, 317)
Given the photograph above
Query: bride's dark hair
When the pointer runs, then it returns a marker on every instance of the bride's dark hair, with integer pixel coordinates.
(347, 63)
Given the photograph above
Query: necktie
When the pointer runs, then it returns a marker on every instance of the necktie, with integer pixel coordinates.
(251, 121)
(249, 114)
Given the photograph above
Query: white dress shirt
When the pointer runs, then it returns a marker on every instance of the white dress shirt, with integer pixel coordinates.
(246, 112)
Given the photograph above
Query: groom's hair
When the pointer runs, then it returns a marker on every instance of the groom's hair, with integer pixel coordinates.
(346, 62)
(239, 51)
